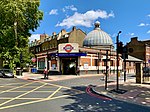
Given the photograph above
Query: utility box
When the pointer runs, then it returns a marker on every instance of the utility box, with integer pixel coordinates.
(19, 71)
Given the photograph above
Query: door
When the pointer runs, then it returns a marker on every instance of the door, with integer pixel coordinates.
(69, 66)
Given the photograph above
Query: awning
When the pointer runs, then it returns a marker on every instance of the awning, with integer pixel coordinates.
(68, 54)
(133, 59)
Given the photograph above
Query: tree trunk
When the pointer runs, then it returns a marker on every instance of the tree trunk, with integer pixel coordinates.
(1, 63)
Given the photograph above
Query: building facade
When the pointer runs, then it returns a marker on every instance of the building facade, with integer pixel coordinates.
(140, 50)
(64, 52)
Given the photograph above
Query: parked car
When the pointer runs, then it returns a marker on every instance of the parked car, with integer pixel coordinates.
(6, 73)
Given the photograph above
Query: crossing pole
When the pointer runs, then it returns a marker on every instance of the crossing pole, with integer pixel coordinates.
(117, 41)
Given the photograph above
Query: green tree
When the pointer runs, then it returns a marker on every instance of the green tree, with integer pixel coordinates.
(17, 19)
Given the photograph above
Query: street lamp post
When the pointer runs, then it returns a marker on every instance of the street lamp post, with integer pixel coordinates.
(117, 76)
(98, 54)
(106, 76)
(15, 29)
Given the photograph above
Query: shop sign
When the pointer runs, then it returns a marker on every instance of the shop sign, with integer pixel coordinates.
(68, 48)
(67, 54)
(71, 54)
(86, 66)
(33, 60)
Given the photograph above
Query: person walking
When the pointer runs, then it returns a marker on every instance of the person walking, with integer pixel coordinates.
(78, 70)
(45, 73)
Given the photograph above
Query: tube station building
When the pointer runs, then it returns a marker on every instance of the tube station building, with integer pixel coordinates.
(63, 52)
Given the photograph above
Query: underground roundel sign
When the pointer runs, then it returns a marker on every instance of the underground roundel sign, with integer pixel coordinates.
(68, 48)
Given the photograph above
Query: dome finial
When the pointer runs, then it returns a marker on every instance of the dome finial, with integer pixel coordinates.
(97, 25)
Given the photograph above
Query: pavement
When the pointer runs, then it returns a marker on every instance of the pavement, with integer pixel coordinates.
(128, 91)
(33, 76)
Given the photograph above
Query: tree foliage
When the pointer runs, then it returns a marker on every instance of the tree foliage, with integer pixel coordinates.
(17, 19)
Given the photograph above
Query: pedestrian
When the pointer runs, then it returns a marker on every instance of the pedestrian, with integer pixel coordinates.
(45, 73)
(78, 70)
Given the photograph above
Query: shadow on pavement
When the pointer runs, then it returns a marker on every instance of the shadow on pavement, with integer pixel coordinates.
(83, 102)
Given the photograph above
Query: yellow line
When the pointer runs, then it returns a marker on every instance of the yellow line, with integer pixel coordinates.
(58, 97)
(22, 104)
(26, 103)
(79, 91)
(55, 85)
(16, 87)
(54, 93)
(21, 95)
(12, 84)
(22, 98)
(24, 87)
(59, 86)
(33, 91)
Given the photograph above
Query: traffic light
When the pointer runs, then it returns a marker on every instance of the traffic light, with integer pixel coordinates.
(125, 52)
(119, 47)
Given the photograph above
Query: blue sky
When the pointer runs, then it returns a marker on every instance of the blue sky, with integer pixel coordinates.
(132, 17)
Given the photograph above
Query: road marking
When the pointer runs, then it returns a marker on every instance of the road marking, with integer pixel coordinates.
(33, 91)
(27, 103)
(22, 95)
(11, 84)
(36, 100)
(54, 93)
(79, 91)
(16, 87)
(8, 98)
(88, 90)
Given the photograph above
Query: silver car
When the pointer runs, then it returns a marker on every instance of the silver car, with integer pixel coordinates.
(6, 73)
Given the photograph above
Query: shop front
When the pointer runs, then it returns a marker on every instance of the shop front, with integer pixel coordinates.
(67, 59)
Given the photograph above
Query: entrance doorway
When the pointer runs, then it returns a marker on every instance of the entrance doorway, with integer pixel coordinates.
(69, 66)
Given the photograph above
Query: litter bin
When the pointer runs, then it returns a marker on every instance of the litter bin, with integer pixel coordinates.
(33, 70)
(19, 71)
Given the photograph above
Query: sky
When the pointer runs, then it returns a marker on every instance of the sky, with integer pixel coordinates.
(131, 17)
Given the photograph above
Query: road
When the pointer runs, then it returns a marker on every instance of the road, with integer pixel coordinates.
(17, 95)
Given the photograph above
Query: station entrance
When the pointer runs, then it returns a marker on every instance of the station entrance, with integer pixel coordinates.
(69, 65)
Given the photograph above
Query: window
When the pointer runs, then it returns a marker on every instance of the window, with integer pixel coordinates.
(104, 63)
(111, 63)
(129, 63)
(37, 50)
(96, 62)
(41, 64)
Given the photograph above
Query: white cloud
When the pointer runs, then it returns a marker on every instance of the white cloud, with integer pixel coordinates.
(131, 34)
(148, 31)
(85, 19)
(33, 37)
(148, 15)
(63, 9)
(70, 7)
(114, 35)
(53, 12)
(143, 24)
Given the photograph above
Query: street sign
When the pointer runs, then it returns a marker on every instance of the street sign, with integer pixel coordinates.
(33, 60)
